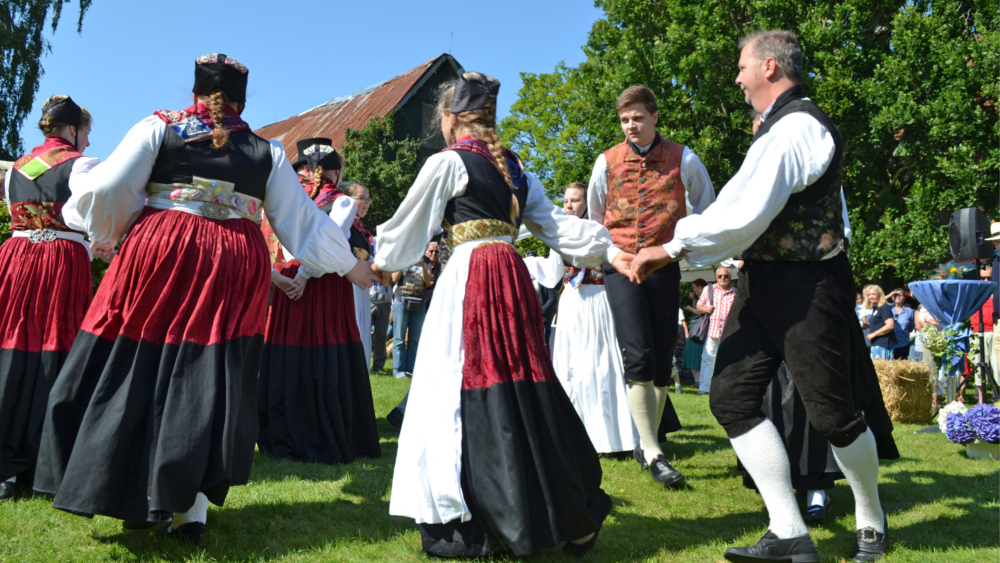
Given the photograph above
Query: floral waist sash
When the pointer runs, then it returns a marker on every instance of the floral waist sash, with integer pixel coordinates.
(479, 229)
(585, 276)
(213, 199)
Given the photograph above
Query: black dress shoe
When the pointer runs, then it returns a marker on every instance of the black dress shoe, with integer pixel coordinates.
(638, 455)
(871, 544)
(770, 548)
(581, 549)
(816, 512)
(395, 418)
(6, 490)
(192, 532)
(663, 473)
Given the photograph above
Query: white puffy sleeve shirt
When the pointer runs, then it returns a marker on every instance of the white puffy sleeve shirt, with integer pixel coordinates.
(402, 238)
(107, 200)
(793, 154)
(698, 191)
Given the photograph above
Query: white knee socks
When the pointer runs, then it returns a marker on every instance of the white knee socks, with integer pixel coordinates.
(859, 463)
(642, 401)
(197, 513)
(765, 459)
(661, 403)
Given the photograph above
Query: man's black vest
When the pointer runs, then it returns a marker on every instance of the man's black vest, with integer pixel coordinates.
(811, 225)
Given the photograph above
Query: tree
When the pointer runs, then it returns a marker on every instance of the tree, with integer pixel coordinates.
(876, 66)
(21, 48)
(386, 166)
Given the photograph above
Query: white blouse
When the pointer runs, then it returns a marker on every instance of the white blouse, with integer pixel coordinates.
(108, 199)
(402, 238)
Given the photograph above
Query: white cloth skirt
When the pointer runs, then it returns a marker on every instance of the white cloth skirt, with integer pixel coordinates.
(363, 313)
(427, 479)
(589, 364)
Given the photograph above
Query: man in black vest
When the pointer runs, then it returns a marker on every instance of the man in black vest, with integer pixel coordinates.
(794, 302)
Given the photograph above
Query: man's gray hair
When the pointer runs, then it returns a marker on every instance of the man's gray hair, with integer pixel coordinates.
(780, 45)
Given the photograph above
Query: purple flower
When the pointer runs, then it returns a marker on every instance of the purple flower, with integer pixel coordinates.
(959, 430)
(985, 421)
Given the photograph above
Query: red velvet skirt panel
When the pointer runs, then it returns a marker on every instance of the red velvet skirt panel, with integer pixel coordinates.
(45, 289)
(504, 341)
(180, 277)
(323, 315)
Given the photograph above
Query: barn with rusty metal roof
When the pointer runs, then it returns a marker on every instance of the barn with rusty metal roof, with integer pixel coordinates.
(412, 94)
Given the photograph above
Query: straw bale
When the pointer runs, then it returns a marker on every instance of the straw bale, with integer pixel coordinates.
(906, 390)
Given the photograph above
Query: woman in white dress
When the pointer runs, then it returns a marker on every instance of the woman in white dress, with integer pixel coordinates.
(364, 249)
(585, 355)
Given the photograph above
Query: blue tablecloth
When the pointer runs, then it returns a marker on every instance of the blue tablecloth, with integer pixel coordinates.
(952, 302)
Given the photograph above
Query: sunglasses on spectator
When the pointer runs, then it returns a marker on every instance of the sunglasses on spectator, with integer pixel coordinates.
(723, 277)
(432, 252)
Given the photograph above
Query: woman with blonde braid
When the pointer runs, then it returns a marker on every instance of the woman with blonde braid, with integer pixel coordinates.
(492, 455)
(314, 397)
(152, 416)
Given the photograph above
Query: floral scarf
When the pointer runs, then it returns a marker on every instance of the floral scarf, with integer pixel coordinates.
(196, 124)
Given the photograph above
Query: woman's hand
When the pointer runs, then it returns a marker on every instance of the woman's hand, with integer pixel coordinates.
(296, 287)
(106, 250)
(385, 278)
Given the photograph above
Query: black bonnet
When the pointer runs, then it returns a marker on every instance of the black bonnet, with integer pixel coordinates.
(472, 91)
(319, 151)
(218, 72)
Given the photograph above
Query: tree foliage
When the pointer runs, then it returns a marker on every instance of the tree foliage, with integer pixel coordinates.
(21, 48)
(912, 86)
(387, 167)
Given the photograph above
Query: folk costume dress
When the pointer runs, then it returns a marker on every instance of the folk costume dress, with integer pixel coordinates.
(45, 289)
(157, 400)
(492, 455)
(585, 353)
(315, 399)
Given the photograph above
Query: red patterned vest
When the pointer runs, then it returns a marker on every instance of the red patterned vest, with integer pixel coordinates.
(645, 195)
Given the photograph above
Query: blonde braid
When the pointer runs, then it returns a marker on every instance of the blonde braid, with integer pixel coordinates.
(217, 109)
(317, 181)
(482, 123)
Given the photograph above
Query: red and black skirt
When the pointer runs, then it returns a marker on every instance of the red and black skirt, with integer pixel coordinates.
(315, 400)
(530, 475)
(156, 401)
(45, 289)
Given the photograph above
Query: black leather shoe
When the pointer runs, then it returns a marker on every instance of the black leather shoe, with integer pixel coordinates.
(663, 473)
(770, 548)
(581, 549)
(6, 490)
(395, 418)
(871, 544)
(638, 455)
(817, 513)
(192, 532)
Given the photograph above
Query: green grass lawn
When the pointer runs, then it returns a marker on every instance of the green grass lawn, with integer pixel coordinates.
(942, 507)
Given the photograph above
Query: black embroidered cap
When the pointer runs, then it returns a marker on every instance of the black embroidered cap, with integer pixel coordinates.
(472, 91)
(319, 151)
(63, 109)
(215, 71)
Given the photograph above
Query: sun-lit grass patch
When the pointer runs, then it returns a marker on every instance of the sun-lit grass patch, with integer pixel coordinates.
(942, 507)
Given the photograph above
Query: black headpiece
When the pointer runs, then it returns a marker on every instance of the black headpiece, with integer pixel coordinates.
(218, 72)
(472, 91)
(319, 151)
(63, 109)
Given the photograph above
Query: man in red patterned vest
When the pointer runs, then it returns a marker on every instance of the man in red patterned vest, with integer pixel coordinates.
(639, 189)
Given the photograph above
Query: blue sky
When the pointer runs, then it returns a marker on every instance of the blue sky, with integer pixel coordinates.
(135, 57)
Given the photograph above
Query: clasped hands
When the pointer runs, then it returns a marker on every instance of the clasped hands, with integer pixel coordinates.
(637, 267)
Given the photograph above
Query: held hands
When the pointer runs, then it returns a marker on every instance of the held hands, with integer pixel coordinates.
(623, 263)
(106, 250)
(385, 278)
(296, 287)
(363, 275)
(648, 260)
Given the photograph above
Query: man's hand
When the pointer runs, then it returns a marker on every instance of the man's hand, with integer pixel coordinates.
(295, 288)
(648, 260)
(385, 278)
(623, 263)
(106, 250)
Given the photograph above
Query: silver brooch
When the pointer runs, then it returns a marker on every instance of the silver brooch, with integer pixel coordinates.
(43, 235)
(215, 210)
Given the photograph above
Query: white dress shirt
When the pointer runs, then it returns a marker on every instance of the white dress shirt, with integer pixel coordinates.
(698, 191)
(109, 197)
(793, 154)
